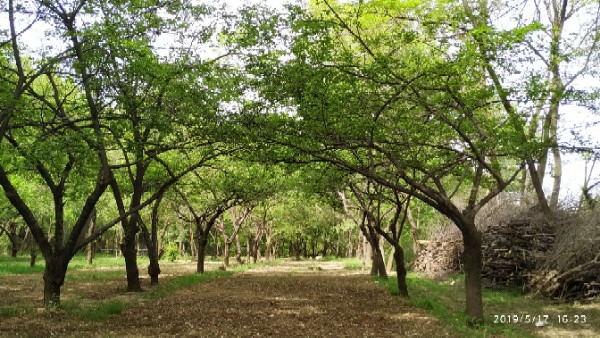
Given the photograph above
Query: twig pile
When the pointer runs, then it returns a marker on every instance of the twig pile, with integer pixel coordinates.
(438, 258)
(571, 270)
(513, 251)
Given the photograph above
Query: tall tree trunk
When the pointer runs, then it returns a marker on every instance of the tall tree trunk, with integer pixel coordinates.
(54, 278)
(414, 230)
(193, 248)
(378, 264)
(92, 245)
(154, 266)
(400, 270)
(226, 253)
(238, 250)
(256, 248)
(557, 177)
(202, 239)
(249, 249)
(472, 260)
(269, 248)
(128, 248)
(390, 261)
(151, 240)
(32, 256)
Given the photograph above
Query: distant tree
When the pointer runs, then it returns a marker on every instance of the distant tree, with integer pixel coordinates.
(206, 194)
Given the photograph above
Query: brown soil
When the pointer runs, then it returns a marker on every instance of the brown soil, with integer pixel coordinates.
(296, 299)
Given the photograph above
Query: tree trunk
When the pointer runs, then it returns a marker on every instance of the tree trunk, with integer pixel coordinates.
(154, 267)
(226, 253)
(256, 250)
(91, 246)
(414, 230)
(557, 176)
(400, 271)
(472, 260)
(249, 248)
(269, 249)
(130, 254)
(202, 241)
(378, 264)
(33, 256)
(151, 240)
(54, 278)
(390, 260)
(238, 250)
(193, 247)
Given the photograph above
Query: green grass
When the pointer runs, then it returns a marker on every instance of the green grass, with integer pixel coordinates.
(351, 263)
(20, 264)
(446, 302)
(181, 282)
(98, 312)
(102, 310)
(11, 311)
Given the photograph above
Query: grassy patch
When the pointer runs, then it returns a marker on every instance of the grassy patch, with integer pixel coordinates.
(180, 282)
(102, 310)
(95, 275)
(352, 263)
(11, 311)
(19, 265)
(506, 310)
(97, 312)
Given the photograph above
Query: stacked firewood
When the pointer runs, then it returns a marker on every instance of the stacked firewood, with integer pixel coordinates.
(579, 283)
(438, 258)
(513, 251)
(571, 270)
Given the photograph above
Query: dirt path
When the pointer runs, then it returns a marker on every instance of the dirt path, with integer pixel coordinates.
(298, 299)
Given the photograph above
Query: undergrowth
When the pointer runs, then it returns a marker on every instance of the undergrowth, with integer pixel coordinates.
(445, 300)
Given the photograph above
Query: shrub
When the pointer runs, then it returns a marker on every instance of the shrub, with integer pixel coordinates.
(172, 252)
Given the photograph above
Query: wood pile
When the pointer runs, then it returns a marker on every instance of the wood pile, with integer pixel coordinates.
(513, 251)
(572, 268)
(581, 283)
(438, 258)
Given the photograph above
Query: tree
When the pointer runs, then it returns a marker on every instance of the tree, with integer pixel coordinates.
(563, 47)
(368, 218)
(376, 91)
(208, 193)
(238, 218)
(67, 125)
(379, 206)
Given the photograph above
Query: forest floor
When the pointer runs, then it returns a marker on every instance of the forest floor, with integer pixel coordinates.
(292, 299)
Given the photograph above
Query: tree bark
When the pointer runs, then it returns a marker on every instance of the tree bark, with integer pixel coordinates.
(472, 260)
(377, 261)
(54, 278)
(202, 241)
(400, 271)
(128, 248)
(390, 260)
(151, 240)
(226, 253)
(154, 267)
(91, 246)
(238, 250)
(32, 256)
